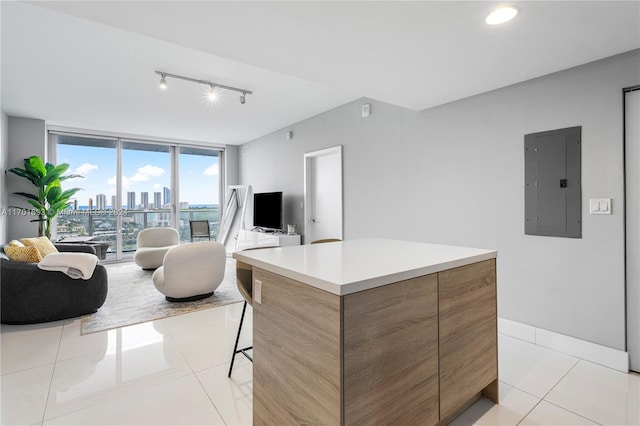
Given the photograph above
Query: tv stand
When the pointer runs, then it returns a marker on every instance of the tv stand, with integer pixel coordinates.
(250, 239)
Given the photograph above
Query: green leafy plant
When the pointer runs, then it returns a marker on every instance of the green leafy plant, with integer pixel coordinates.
(50, 199)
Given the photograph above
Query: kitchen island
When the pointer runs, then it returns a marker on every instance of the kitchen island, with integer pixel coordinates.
(372, 331)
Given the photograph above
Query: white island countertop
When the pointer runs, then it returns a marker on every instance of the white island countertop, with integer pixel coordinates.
(355, 265)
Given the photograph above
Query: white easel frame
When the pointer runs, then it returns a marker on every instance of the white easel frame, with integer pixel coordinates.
(233, 218)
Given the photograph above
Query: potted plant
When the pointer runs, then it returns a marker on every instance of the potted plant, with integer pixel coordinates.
(50, 199)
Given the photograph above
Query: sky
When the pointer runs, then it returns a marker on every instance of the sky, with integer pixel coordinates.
(143, 171)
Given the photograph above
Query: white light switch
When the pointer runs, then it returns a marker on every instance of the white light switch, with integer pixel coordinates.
(257, 291)
(600, 206)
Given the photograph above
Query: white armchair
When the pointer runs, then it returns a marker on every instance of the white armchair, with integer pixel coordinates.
(191, 271)
(153, 244)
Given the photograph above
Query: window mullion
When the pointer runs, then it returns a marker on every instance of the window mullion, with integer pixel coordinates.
(119, 223)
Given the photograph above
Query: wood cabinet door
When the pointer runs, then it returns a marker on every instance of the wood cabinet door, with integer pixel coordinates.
(468, 335)
(297, 359)
(391, 354)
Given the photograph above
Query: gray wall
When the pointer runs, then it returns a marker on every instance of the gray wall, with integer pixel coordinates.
(231, 166)
(4, 198)
(26, 137)
(454, 175)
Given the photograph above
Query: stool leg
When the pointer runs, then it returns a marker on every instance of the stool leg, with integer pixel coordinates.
(235, 348)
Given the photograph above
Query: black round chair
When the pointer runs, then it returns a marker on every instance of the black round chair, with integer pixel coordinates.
(32, 295)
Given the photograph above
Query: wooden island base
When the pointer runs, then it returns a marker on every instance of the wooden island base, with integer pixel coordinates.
(417, 351)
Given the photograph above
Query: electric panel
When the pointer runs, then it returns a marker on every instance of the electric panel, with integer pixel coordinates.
(552, 173)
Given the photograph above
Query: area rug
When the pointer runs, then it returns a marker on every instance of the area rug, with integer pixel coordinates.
(132, 299)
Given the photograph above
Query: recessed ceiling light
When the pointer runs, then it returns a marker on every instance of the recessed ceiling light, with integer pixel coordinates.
(501, 15)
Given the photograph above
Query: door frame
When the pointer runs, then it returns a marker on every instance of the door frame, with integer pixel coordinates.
(631, 282)
(308, 160)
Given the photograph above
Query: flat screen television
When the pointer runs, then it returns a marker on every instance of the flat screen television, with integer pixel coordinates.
(267, 210)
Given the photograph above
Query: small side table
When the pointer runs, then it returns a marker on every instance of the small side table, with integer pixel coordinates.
(101, 247)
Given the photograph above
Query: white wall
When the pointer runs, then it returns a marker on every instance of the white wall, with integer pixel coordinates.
(454, 175)
(26, 137)
(4, 161)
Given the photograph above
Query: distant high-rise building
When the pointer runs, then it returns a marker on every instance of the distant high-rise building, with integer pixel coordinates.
(157, 201)
(131, 200)
(113, 202)
(75, 204)
(144, 200)
(101, 202)
(90, 203)
(166, 195)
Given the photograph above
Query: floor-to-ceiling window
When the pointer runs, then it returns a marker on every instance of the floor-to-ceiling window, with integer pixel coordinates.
(199, 191)
(94, 212)
(146, 171)
(132, 184)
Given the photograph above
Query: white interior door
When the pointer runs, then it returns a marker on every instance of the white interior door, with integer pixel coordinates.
(632, 179)
(323, 194)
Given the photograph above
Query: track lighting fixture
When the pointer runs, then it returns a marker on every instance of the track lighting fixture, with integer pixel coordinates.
(212, 94)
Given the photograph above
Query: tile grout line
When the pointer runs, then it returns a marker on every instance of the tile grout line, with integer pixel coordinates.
(72, 327)
(182, 354)
(529, 412)
(561, 378)
(209, 398)
(548, 392)
(540, 399)
(554, 386)
(53, 372)
(579, 415)
(523, 391)
(195, 373)
(128, 392)
(76, 410)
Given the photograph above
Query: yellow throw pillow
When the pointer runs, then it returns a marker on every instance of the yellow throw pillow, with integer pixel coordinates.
(43, 244)
(15, 243)
(28, 254)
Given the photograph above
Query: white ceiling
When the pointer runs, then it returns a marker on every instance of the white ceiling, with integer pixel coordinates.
(90, 64)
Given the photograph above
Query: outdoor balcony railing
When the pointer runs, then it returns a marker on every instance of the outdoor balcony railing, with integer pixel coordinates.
(102, 224)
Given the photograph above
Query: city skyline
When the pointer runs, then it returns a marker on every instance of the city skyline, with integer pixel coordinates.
(100, 202)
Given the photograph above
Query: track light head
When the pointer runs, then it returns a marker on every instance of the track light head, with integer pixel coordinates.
(212, 95)
(163, 82)
(243, 99)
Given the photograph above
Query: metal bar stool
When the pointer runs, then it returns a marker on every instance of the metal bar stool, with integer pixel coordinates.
(244, 280)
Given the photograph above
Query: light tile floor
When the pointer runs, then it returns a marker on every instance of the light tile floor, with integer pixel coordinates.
(174, 372)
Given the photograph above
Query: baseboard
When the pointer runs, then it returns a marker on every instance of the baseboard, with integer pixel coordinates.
(517, 329)
(598, 354)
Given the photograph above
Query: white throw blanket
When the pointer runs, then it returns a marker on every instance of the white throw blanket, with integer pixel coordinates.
(75, 265)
